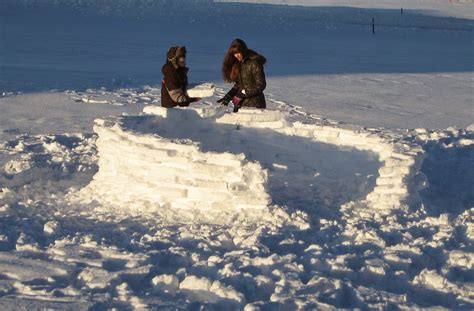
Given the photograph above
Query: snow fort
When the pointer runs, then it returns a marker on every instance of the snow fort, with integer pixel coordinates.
(180, 158)
(205, 158)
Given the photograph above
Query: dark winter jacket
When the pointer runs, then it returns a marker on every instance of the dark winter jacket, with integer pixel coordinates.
(173, 87)
(252, 80)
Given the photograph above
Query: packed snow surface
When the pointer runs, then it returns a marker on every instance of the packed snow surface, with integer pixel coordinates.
(109, 201)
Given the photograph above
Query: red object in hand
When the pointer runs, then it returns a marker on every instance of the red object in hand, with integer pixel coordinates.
(236, 100)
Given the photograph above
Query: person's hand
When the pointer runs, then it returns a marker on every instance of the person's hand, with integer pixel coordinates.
(224, 101)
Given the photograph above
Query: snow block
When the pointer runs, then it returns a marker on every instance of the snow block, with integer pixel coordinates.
(202, 90)
(201, 110)
(259, 118)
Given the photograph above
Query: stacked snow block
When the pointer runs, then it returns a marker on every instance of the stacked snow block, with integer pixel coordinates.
(137, 166)
(399, 180)
(256, 118)
(203, 111)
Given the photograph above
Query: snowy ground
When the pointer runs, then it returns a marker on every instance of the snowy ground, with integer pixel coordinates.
(330, 238)
(416, 71)
(306, 252)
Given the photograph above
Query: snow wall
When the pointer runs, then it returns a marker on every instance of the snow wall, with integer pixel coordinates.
(153, 160)
(137, 168)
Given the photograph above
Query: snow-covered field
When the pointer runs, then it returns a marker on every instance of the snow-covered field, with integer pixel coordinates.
(453, 8)
(355, 189)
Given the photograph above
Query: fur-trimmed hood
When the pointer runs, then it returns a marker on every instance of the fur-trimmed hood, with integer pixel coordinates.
(174, 53)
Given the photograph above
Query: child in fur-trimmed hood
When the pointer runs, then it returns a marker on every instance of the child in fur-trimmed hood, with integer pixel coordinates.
(175, 79)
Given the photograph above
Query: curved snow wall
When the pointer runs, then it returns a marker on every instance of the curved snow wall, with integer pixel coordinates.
(399, 180)
(137, 168)
(143, 160)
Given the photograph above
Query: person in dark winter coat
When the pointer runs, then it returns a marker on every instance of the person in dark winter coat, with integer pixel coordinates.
(175, 79)
(244, 68)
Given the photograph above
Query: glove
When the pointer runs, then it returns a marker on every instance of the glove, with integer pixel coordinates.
(224, 101)
(237, 107)
(189, 101)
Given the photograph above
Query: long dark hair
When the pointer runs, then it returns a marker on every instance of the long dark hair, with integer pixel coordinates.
(231, 66)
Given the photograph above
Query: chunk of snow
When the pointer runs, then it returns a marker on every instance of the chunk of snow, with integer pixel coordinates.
(204, 290)
(202, 90)
(50, 227)
(96, 278)
(167, 283)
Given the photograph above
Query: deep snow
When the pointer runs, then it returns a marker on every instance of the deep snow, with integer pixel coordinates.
(360, 216)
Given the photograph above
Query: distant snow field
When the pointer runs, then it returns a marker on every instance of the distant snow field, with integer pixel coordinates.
(354, 189)
(455, 8)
